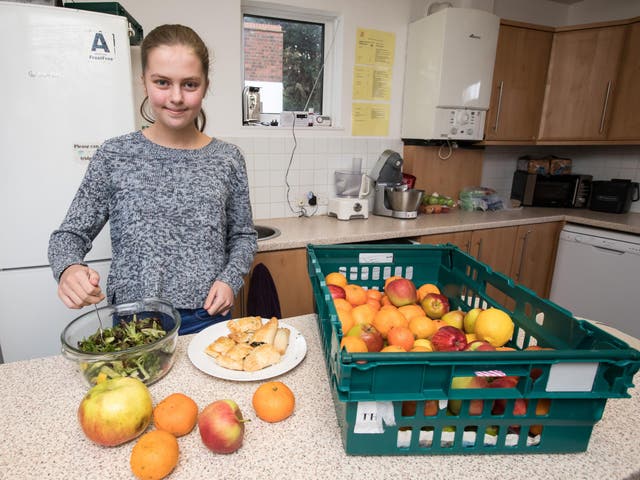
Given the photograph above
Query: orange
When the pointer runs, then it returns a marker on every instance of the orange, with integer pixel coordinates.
(385, 300)
(422, 326)
(273, 401)
(154, 455)
(401, 336)
(375, 304)
(363, 314)
(342, 303)
(426, 288)
(335, 278)
(393, 348)
(410, 311)
(176, 414)
(387, 317)
(374, 294)
(494, 326)
(356, 295)
(353, 344)
(439, 323)
(391, 279)
(346, 320)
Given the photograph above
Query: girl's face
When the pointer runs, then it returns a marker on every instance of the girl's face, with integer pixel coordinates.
(175, 84)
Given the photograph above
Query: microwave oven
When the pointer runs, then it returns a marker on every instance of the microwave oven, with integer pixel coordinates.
(537, 190)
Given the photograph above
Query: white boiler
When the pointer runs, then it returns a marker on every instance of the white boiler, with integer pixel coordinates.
(449, 69)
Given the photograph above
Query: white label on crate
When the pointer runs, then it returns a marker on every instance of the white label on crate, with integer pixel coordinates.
(375, 257)
(572, 377)
(370, 415)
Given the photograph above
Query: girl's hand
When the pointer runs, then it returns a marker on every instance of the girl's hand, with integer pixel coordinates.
(220, 299)
(79, 286)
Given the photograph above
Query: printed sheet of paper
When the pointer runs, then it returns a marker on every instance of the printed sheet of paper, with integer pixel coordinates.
(370, 119)
(372, 74)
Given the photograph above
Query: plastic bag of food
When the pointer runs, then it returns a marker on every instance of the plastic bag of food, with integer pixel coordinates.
(480, 198)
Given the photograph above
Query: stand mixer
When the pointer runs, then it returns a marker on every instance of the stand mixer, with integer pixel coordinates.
(393, 198)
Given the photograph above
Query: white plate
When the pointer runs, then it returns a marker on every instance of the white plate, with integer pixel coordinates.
(295, 353)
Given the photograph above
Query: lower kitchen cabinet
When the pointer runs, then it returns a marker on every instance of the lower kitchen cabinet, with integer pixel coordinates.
(288, 269)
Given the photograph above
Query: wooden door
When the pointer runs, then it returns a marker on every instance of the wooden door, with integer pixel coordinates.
(494, 247)
(625, 120)
(582, 72)
(519, 75)
(534, 256)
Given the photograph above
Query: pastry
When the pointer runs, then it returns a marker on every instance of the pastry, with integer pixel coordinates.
(261, 357)
(281, 342)
(219, 347)
(234, 357)
(266, 334)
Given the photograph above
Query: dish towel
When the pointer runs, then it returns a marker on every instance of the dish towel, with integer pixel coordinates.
(262, 299)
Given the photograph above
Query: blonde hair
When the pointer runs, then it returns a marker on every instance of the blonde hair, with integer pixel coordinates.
(169, 35)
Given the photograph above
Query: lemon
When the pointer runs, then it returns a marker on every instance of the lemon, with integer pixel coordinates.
(494, 326)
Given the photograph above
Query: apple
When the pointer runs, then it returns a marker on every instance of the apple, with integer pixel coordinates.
(401, 291)
(475, 406)
(337, 291)
(449, 339)
(500, 405)
(480, 346)
(221, 426)
(115, 411)
(508, 381)
(369, 334)
(469, 321)
(454, 318)
(435, 305)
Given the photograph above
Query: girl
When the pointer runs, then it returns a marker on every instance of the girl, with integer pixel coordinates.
(176, 199)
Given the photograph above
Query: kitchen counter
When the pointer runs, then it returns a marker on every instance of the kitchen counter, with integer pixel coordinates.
(297, 232)
(42, 437)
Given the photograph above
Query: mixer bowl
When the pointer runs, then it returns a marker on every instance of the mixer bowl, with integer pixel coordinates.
(404, 200)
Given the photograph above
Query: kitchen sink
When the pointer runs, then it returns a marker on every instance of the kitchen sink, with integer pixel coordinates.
(265, 232)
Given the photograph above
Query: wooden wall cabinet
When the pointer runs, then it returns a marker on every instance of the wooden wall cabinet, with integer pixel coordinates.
(288, 269)
(581, 79)
(625, 120)
(519, 75)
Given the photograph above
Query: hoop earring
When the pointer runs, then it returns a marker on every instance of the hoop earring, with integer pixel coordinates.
(147, 116)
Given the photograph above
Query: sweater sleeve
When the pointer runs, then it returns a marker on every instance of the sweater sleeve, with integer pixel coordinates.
(241, 235)
(86, 216)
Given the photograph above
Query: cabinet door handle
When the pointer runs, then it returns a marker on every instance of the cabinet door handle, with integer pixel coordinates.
(522, 254)
(495, 126)
(604, 108)
(468, 247)
(479, 256)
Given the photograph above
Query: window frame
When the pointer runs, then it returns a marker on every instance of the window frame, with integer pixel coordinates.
(333, 61)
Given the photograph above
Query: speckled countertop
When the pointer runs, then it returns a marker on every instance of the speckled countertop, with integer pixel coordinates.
(41, 437)
(322, 229)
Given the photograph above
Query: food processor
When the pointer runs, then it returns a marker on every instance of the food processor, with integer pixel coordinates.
(352, 189)
(393, 197)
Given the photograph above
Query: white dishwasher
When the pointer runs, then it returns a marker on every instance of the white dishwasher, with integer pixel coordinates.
(597, 276)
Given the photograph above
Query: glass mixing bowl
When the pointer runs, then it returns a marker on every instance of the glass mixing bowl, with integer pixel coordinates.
(149, 362)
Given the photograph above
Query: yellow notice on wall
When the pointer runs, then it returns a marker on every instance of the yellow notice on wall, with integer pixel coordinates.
(370, 119)
(371, 83)
(374, 47)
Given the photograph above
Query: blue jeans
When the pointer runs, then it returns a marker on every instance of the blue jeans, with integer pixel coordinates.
(194, 320)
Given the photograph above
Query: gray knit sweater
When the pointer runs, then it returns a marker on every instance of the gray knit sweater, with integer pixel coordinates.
(179, 220)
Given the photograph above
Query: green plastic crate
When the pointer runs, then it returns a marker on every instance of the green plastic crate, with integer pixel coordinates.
(380, 398)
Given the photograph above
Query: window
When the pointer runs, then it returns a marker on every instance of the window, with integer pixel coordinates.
(283, 55)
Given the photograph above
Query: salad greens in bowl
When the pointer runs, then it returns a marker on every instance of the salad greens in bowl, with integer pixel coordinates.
(138, 340)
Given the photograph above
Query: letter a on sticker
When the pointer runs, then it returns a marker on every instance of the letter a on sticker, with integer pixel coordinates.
(99, 43)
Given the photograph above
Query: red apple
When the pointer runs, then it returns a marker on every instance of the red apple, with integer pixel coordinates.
(401, 291)
(435, 305)
(221, 426)
(369, 334)
(449, 339)
(508, 381)
(336, 291)
(500, 405)
(115, 411)
(480, 346)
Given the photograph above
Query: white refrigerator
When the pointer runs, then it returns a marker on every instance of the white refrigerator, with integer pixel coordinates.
(66, 87)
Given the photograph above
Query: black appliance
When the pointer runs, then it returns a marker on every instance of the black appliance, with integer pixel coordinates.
(538, 190)
(613, 196)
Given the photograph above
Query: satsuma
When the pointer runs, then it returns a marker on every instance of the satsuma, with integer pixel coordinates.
(273, 401)
(388, 317)
(355, 294)
(154, 455)
(336, 278)
(176, 414)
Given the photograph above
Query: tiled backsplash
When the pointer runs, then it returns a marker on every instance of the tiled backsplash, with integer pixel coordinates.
(272, 163)
(603, 162)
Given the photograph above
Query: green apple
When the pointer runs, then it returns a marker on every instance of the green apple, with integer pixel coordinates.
(469, 321)
(115, 411)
